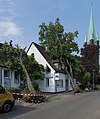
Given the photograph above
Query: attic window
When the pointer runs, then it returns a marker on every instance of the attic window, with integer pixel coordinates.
(32, 54)
(47, 69)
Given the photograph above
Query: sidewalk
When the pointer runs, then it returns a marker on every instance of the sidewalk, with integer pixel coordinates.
(57, 96)
(49, 98)
(54, 97)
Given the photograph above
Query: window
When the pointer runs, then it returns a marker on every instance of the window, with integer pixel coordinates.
(47, 69)
(16, 77)
(32, 54)
(47, 82)
(60, 84)
(6, 73)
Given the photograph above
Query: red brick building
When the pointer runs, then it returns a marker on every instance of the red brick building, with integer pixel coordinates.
(90, 50)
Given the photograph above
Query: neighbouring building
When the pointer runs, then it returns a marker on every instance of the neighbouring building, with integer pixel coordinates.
(55, 80)
(90, 51)
(8, 78)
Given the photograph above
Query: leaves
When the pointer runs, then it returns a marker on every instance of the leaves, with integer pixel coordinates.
(12, 61)
(61, 45)
(55, 41)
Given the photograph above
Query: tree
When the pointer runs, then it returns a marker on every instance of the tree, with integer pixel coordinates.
(90, 58)
(82, 76)
(60, 45)
(17, 59)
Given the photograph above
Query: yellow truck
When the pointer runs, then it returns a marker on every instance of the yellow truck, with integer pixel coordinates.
(7, 100)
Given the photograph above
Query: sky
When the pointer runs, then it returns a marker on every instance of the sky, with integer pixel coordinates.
(20, 19)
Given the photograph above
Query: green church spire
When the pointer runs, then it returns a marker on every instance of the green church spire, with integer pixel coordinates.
(85, 41)
(91, 32)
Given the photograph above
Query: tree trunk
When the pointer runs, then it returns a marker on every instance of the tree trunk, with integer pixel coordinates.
(70, 75)
(29, 83)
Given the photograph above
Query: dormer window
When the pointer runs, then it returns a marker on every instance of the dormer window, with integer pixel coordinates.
(47, 69)
(32, 54)
(57, 64)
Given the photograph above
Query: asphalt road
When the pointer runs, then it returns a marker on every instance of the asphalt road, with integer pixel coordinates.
(82, 106)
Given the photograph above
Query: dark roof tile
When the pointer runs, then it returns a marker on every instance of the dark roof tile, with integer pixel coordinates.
(46, 56)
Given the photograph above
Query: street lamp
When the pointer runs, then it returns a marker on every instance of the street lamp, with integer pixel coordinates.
(93, 79)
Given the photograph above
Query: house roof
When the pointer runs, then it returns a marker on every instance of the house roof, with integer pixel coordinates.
(46, 56)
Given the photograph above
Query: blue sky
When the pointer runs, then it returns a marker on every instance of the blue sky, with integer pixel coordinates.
(20, 19)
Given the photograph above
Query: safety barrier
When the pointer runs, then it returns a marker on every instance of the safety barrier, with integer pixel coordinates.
(30, 97)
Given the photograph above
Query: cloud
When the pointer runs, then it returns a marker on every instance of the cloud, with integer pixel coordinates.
(8, 26)
(7, 9)
(9, 29)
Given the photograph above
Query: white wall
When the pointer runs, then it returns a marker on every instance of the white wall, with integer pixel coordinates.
(55, 76)
(70, 87)
(2, 77)
(12, 84)
(50, 88)
(38, 57)
(61, 77)
(41, 60)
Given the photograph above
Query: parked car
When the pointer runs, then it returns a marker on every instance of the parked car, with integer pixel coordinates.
(7, 100)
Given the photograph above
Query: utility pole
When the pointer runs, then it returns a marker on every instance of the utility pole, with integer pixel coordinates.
(93, 79)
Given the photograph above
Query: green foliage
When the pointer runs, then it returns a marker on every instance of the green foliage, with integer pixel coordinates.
(12, 61)
(34, 69)
(11, 57)
(36, 87)
(26, 90)
(13, 90)
(59, 44)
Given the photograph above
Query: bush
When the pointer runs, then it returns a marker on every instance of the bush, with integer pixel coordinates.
(26, 90)
(13, 90)
(82, 87)
(77, 90)
(36, 87)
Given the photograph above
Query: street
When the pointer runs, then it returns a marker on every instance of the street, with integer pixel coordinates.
(81, 106)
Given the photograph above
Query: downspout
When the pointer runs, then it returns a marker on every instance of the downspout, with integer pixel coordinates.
(55, 83)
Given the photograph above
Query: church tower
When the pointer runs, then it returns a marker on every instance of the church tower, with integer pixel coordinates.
(90, 50)
(92, 38)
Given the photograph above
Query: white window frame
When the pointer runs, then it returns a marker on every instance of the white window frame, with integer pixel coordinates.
(16, 81)
(7, 73)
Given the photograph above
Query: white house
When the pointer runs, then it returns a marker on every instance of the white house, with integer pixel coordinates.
(55, 80)
(8, 78)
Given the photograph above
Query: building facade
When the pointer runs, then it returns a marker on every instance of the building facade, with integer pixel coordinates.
(55, 80)
(8, 78)
(90, 50)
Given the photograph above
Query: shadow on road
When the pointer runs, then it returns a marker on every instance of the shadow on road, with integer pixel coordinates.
(17, 110)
